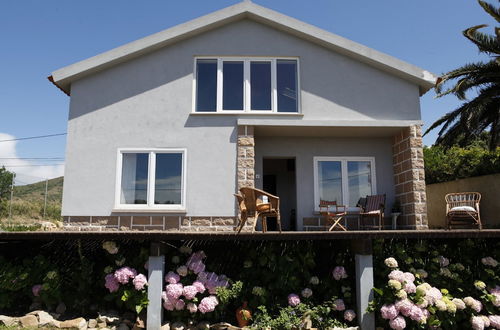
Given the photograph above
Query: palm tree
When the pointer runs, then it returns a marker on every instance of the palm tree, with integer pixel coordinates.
(474, 116)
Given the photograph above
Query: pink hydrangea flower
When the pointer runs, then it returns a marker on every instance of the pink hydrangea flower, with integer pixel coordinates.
(489, 261)
(339, 273)
(432, 295)
(404, 306)
(494, 321)
(208, 304)
(140, 282)
(174, 291)
(164, 295)
(408, 277)
(123, 274)
(349, 315)
(199, 286)
(179, 305)
(389, 312)
(192, 308)
(416, 314)
(111, 283)
(397, 275)
(169, 304)
(477, 323)
(38, 287)
(293, 299)
(410, 287)
(473, 304)
(339, 304)
(398, 323)
(189, 292)
(172, 278)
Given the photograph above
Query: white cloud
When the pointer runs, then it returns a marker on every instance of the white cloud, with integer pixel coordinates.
(25, 173)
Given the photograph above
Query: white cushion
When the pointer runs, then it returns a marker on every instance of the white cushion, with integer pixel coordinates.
(463, 208)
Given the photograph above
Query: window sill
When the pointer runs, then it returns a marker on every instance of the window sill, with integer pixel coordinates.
(147, 210)
(247, 113)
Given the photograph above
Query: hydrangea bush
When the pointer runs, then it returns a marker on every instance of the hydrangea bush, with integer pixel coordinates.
(446, 284)
(290, 284)
(127, 288)
(190, 289)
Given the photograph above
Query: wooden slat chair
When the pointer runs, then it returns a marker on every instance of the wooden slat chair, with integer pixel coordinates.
(462, 209)
(372, 207)
(254, 207)
(333, 214)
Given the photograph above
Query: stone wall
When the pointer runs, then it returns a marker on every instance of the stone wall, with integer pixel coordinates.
(246, 157)
(154, 222)
(409, 178)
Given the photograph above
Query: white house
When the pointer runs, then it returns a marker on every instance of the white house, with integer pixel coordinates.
(164, 130)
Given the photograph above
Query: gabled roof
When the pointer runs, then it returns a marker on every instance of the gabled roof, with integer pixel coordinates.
(63, 77)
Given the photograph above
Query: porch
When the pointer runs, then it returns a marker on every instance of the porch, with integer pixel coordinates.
(305, 161)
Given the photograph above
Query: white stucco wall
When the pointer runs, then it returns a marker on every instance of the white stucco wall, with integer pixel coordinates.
(303, 150)
(146, 103)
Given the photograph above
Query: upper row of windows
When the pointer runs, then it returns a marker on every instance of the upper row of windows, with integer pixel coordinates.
(246, 84)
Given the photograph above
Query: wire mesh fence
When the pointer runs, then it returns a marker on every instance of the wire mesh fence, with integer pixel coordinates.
(32, 203)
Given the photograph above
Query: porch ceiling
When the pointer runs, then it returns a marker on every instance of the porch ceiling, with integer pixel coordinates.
(327, 128)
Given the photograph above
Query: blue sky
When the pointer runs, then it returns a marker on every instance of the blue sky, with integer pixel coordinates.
(38, 37)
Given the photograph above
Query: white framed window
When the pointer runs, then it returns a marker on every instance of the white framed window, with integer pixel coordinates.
(149, 179)
(343, 179)
(246, 84)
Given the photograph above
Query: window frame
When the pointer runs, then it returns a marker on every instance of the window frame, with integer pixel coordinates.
(246, 84)
(345, 183)
(150, 206)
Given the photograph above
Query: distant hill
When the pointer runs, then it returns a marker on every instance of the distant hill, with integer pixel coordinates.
(35, 192)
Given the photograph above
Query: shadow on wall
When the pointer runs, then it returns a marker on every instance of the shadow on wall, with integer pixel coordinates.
(318, 66)
(487, 185)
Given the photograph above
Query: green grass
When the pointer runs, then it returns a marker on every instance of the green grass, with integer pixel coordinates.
(28, 203)
(35, 192)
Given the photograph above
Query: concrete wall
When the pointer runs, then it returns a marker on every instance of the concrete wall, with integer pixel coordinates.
(487, 185)
(147, 102)
(304, 149)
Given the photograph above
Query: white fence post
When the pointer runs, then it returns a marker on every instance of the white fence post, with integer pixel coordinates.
(364, 282)
(156, 270)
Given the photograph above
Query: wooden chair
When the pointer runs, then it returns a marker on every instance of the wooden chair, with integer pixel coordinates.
(333, 216)
(253, 206)
(372, 207)
(462, 209)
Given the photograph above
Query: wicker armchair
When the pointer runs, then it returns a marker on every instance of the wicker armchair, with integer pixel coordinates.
(250, 201)
(462, 209)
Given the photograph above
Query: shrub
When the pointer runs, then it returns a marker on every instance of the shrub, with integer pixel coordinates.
(443, 165)
(445, 284)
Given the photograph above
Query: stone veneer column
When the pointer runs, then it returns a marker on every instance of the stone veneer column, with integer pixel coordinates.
(245, 158)
(409, 177)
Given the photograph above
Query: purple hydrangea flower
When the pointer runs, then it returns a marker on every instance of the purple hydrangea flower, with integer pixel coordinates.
(112, 283)
(123, 274)
(37, 288)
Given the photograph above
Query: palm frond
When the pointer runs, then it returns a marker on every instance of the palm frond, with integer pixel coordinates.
(485, 42)
(489, 69)
(490, 9)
